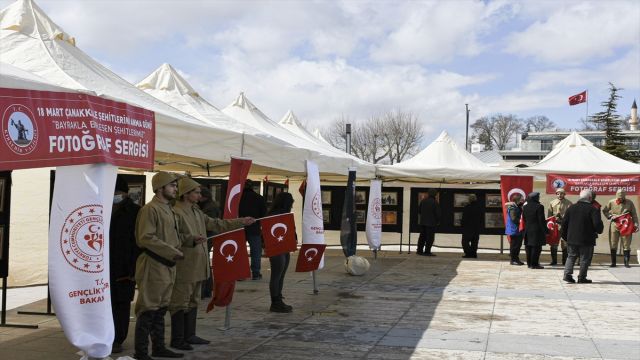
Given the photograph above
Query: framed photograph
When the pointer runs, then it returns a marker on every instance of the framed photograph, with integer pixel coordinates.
(136, 193)
(361, 216)
(493, 200)
(326, 216)
(493, 220)
(216, 192)
(326, 197)
(389, 218)
(389, 198)
(271, 193)
(457, 218)
(460, 200)
(361, 197)
(1, 242)
(2, 188)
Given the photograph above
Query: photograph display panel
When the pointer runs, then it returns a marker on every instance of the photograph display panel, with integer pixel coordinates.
(389, 198)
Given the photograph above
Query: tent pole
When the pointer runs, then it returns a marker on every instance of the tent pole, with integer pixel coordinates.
(315, 285)
(3, 311)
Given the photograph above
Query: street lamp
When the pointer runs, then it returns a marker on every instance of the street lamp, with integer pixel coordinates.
(466, 129)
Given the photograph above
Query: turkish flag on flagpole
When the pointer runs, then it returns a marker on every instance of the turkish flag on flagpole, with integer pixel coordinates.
(309, 257)
(237, 176)
(230, 258)
(578, 98)
(553, 236)
(511, 185)
(624, 224)
(279, 234)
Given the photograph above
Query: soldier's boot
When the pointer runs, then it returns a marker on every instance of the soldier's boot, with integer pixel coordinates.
(141, 336)
(565, 255)
(177, 331)
(190, 328)
(613, 258)
(554, 256)
(157, 337)
(627, 257)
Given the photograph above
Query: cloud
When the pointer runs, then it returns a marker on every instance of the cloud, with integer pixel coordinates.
(577, 32)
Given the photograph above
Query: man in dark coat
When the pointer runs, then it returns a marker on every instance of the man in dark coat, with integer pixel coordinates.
(535, 229)
(123, 254)
(580, 228)
(429, 214)
(471, 221)
(252, 204)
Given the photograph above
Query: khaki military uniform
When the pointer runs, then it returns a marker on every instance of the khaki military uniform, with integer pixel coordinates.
(195, 267)
(558, 208)
(157, 232)
(613, 209)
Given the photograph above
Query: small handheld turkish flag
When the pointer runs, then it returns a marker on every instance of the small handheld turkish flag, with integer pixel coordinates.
(578, 98)
(237, 177)
(553, 236)
(624, 224)
(279, 234)
(230, 258)
(309, 257)
(303, 187)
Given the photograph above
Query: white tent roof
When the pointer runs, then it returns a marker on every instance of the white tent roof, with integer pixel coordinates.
(318, 134)
(328, 161)
(443, 161)
(30, 41)
(12, 77)
(577, 155)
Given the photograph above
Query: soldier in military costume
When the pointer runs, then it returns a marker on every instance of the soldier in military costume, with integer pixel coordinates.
(558, 207)
(194, 269)
(616, 207)
(157, 236)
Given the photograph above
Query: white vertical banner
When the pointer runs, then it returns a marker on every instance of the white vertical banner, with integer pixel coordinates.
(374, 215)
(312, 222)
(79, 255)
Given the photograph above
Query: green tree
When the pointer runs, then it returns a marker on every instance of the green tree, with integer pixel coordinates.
(610, 121)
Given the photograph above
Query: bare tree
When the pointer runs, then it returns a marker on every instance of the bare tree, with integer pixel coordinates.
(539, 123)
(402, 134)
(497, 131)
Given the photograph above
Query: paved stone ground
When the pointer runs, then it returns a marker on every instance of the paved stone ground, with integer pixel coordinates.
(406, 307)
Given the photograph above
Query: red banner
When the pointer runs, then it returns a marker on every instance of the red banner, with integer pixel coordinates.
(511, 185)
(309, 257)
(601, 184)
(279, 234)
(44, 128)
(230, 258)
(237, 176)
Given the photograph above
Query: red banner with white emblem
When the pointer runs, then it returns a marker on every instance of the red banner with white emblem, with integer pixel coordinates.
(279, 234)
(237, 177)
(44, 128)
(230, 257)
(309, 257)
(553, 235)
(510, 186)
(600, 183)
(624, 224)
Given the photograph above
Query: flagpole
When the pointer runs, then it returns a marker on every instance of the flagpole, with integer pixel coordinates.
(587, 114)
(315, 285)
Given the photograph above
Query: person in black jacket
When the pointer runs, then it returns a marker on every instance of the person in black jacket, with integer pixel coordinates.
(535, 229)
(281, 205)
(471, 221)
(252, 204)
(580, 228)
(123, 254)
(429, 214)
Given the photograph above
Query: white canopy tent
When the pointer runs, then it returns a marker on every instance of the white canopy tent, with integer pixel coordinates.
(577, 155)
(442, 161)
(328, 160)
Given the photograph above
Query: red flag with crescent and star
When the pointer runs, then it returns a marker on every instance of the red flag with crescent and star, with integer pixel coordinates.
(230, 262)
(624, 224)
(578, 98)
(553, 236)
(237, 176)
(309, 257)
(279, 234)
(510, 185)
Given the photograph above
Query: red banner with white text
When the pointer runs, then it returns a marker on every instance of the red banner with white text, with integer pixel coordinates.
(44, 128)
(601, 184)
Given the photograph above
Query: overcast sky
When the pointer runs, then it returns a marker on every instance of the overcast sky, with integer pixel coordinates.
(362, 58)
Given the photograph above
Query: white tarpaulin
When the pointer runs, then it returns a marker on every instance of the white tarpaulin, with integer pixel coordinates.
(577, 155)
(374, 215)
(312, 221)
(79, 253)
(442, 161)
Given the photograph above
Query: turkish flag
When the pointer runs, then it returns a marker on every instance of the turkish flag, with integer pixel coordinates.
(223, 294)
(279, 234)
(309, 257)
(303, 187)
(578, 98)
(624, 224)
(237, 176)
(229, 255)
(510, 185)
(553, 236)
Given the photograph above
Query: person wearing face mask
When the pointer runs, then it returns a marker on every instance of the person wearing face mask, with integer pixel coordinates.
(614, 209)
(122, 260)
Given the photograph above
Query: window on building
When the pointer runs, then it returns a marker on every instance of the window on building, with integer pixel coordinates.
(546, 145)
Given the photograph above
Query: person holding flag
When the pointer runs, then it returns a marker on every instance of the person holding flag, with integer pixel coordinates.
(623, 222)
(191, 272)
(557, 208)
